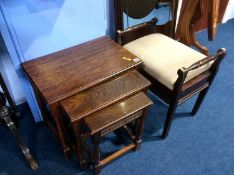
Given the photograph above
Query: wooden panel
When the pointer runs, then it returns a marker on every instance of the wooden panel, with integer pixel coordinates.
(102, 95)
(202, 23)
(117, 112)
(197, 81)
(137, 31)
(121, 123)
(72, 70)
(168, 28)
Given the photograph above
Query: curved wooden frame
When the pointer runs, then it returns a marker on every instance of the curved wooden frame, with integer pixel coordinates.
(189, 18)
(181, 91)
(187, 22)
(167, 29)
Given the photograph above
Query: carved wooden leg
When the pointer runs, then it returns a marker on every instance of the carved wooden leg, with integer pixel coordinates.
(199, 101)
(9, 99)
(20, 142)
(60, 129)
(170, 116)
(7, 94)
(80, 150)
(96, 139)
(196, 43)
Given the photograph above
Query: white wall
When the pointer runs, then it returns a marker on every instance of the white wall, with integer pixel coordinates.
(229, 13)
(9, 75)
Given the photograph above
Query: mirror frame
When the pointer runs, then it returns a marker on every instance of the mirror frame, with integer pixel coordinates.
(167, 28)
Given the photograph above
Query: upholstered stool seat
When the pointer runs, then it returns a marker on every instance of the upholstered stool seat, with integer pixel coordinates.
(163, 57)
(176, 71)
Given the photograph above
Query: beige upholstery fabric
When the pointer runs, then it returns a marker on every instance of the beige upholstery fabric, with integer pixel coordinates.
(163, 56)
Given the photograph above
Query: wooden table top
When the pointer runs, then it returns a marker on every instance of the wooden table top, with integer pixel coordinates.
(105, 94)
(117, 112)
(67, 72)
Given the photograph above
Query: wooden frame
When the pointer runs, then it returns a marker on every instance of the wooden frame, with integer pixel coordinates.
(181, 91)
(186, 22)
(193, 11)
(212, 10)
(50, 87)
(167, 29)
(135, 115)
(213, 17)
(190, 21)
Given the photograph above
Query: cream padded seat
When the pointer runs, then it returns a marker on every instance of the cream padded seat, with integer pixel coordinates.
(163, 57)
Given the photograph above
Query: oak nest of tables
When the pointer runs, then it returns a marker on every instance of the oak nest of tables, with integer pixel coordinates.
(71, 77)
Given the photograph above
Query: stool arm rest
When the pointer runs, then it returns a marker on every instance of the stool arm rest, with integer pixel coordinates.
(218, 56)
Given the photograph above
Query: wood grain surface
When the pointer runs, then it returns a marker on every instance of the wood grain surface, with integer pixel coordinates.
(104, 94)
(72, 70)
(117, 112)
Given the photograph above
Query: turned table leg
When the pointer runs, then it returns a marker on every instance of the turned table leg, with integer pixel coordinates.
(5, 114)
(79, 146)
(56, 116)
(96, 139)
(61, 131)
(139, 130)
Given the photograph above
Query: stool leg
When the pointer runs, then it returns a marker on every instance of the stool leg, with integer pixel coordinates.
(199, 101)
(96, 139)
(170, 116)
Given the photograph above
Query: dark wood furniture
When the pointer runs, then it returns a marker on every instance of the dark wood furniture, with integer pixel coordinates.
(200, 15)
(112, 118)
(105, 108)
(212, 10)
(6, 114)
(213, 16)
(63, 74)
(182, 90)
(9, 99)
(123, 6)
